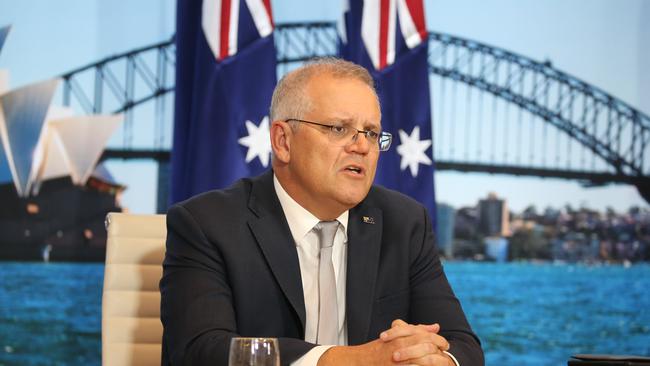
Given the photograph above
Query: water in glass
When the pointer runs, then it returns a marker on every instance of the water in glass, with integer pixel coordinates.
(254, 352)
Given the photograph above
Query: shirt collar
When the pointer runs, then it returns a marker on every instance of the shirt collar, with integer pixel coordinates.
(300, 220)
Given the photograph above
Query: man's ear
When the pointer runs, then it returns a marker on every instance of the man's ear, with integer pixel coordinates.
(281, 134)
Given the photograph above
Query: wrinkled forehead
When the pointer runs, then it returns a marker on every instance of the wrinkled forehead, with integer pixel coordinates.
(326, 88)
(326, 75)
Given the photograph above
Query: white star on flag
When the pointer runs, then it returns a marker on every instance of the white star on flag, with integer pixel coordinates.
(413, 150)
(258, 141)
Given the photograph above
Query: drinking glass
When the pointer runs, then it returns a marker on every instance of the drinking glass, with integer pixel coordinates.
(254, 352)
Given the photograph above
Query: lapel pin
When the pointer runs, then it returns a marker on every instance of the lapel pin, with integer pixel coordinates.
(368, 220)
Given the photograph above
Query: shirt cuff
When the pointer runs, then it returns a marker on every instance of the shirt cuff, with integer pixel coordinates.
(452, 357)
(311, 358)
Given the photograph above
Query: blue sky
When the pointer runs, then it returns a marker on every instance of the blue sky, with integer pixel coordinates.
(603, 42)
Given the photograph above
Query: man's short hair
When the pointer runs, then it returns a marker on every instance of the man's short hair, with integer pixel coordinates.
(289, 97)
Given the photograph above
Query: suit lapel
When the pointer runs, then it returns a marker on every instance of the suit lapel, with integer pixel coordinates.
(364, 243)
(272, 233)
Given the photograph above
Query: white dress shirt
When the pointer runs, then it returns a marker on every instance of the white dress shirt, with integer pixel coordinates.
(301, 222)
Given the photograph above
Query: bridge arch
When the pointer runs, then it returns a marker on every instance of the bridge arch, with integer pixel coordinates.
(615, 132)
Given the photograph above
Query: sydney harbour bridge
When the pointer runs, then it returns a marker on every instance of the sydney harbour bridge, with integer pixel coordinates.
(494, 111)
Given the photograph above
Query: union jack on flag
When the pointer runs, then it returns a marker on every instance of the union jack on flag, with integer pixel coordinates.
(220, 23)
(389, 38)
(378, 28)
(225, 74)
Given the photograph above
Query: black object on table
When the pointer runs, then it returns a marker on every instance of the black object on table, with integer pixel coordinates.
(608, 360)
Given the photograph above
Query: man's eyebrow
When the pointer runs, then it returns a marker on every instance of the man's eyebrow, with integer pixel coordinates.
(371, 126)
(346, 120)
(351, 122)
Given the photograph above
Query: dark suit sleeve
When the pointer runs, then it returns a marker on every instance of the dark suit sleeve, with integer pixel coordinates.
(433, 300)
(196, 299)
(196, 309)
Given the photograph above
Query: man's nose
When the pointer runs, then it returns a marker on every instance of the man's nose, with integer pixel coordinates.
(359, 143)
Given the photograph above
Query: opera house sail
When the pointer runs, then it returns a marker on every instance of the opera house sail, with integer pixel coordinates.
(53, 195)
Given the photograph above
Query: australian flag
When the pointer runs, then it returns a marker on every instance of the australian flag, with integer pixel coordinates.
(389, 38)
(225, 74)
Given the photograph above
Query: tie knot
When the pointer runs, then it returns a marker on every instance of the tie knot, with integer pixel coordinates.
(326, 230)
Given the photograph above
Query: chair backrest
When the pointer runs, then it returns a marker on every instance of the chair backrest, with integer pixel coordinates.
(131, 328)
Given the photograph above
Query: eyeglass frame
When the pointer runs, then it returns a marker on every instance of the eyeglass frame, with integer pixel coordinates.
(354, 138)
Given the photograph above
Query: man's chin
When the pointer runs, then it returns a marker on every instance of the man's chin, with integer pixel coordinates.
(353, 199)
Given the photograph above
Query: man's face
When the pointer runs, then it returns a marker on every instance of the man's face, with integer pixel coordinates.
(330, 176)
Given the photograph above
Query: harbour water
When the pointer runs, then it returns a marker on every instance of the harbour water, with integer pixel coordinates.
(525, 314)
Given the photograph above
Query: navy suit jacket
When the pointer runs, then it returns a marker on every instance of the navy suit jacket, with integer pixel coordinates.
(231, 269)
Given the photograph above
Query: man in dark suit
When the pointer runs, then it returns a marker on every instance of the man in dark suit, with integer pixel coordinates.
(248, 260)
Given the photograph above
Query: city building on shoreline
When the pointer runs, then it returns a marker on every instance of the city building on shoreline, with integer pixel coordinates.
(489, 231)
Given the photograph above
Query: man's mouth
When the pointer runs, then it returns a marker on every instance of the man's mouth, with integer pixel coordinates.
(356, 169)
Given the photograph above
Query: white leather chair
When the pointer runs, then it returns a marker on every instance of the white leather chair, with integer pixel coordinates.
(131, 328)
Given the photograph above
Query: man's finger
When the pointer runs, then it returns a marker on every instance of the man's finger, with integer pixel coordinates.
(440, 342)
(433, 328)
(399, 331)
(398, 323)
(416, 346)
(402, 329)
(430, 360)
(415, 352)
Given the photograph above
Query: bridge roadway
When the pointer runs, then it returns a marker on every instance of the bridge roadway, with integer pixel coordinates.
(588, 178)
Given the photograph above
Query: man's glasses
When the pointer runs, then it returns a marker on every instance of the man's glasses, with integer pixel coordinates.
(342, 135)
